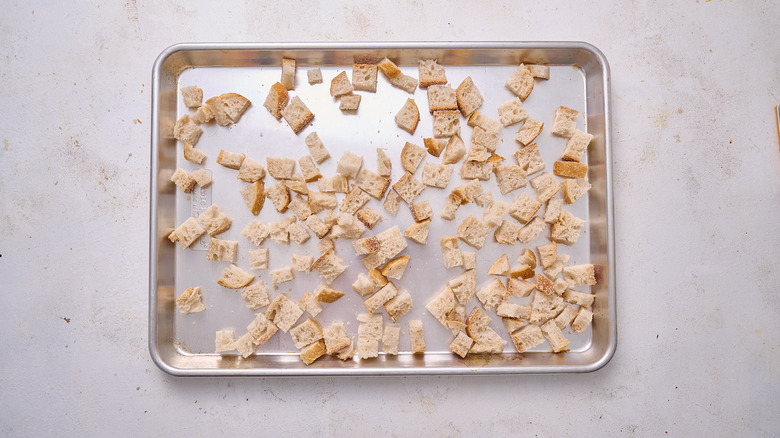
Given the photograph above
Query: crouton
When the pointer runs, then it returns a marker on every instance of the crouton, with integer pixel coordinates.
(510, 178)
(473, 231)
(183, 180)
(500, 266)
(408, 188)
(384, 166)
(421, 211)
(494, 213)
(529, 131)
(372, 183)
(519, 287)
(228, 108)
(576, 145)
(368, 216)
(570, 169)
(329, 266)
(436, 175)
(391, 339)
(408, 116)
(234, 277)
(349, 164)
(464, 286)
(565, 122)
(461, 344)
(335, 337)
(524, 207)
(326, 294)
(441, 97)
(431, 73)
(450, 252)
(548, 253)
(554, 336)
(566, 317)
(392, 201)
(582, 320)
(567, 229)
(276, 100)
(512, 310)
(395, 268)
(521, 82)
(476, 170)
(190, 301)
(215, 220)
(340, 85)
(314, 75)
(531, 230)
(411, 156)
(224, 341)
(578, 275)
(579, 298)
(369, 334)
(446, 123)
(572, 189)
(553, 208)
(319, 201)
(506, 233)
(297, 114)
(255, 295)
(468, 96)
(399, 305)
(416, 336)
(546, 185)
(231, 160)
(187, 131)
(364, 76)
(222, 250)
(192, 96)
(442, 304)
(527, 338)
(530, 159)
(492, 294)
(193, 155)
(349, 102)
(511, 112)
(187, 233)
(454, 151)
(316, 148)
(354, 200)
(418, 232)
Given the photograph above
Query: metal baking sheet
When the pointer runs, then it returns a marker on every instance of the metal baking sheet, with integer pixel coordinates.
(184, 344)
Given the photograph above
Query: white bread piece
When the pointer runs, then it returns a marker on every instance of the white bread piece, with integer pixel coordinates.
(477, 152)
(190, 301)
(312, 352)
(369, 334)
(452, 204)
(436, 175)
(325, 244)
(204, 114)
(395, 268)
(545, 285)
(276, 100)
(527, 258)
(317, 225)
(337, 183)
(520, 288)
(329, 266)
(376, 276)
(418, 232)
(579, 275)
(306, 333)
(570, 169)
(233, 277)
(392, 202)
(512, 325)
(261, 329)
(364, 285)
(530, 159)
(431, 73)
(450, 253)
(548, 253)
(469, 259)
(192, 96)
(349, 164)
(464, 286)
(566, 317)
(368, 217)
(187, 233)
(500, 266)
(279, 196)
(309, 169)
(283, 312)
(582, 320)
(554, 336)
(494, 213)
(567, 229)
(565, 123)
(302, 263)
(478, 119)
(510, 178)
(539, 71)
(521, 82)
(473, 231)
(288, 75)
(506, 233)
(560, 286)
(435, 146)
(416, 336)
(421, 211)
(441, 305)
(297, 184)
(488, 139)
(280, 168)
(282, 275)
(446, 123)
(183, 180)
(411, 156)
(389, 68)
(544, 307)
(231, 160)
(335, 337)
(488, 342)
(256, 295)
(300, 207)
(256, 232)
(364, 75)
(461, 344)
(531, 230)
(476, 323)
(391, 242)
(319, 201)
(573, 189)
(367, 245)
(349, 102)
(316, 148)
(314, 75)
(529, 131)
(511, 112)
(194, 155)
(297, 114)
(468, 96)
(372, 183)
(524, 207)
(468, 191)
(346, 353)
(186, 130)
(553, 209)
(202, 177)
(250, 170)
(340, 85)
(577, 145)
(545, 185)
(405, 82)
(245, 345)
(391, 339)
(441, 97)
(408, 188)
(399, 305)
(326, 294)
(348, 227)
(455, 150)
(384, 166)
(228, 108)
(492, 294)
(224, 341)
(512, 310)
(408, 116)
(254, 196)
(456, 319)
(354, 200)
(222, 250)
(527, 337)
(476, 170)
(582, 299)
(556, 268)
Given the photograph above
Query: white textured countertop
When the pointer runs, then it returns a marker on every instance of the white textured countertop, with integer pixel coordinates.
(697, 199)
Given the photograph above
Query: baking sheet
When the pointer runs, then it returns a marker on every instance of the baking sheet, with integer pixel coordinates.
(184, 344)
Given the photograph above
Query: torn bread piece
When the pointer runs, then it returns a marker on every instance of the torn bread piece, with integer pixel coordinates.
(335, 337)
(340, 85)
(576, 145)
(300, 207)
(256, 232)
(349, 164)
(192, 96)
(326, 294)
(454, 201)
(222, 250)
(354, 200)
(348, 227)
(524, 208)
(529, 131)
(288, 74)
(408, 188)
(392, 201)
(521, 82)
(186, 130)
(194, 155)
(337, 183)
(565, 123)
(302, 262)
(418, 232)
(579, 298)
(316, 148)
(231, 160)
(476, 170)
(250, 170)
(405, 82)
(510, 178)
(312, 352)
(391, 339)
(450, 253)
(478, 119)
(506, 233)
(368, 216)
(567, 229)
(531, 230)
(454, 151)
(389, 68)
(565, 318)
(369, 334)
(512, 310)
(431, 73)
(486, 138)
(188, 232)
(556, 268)
(190, 301)
(408, 116)
(282, 275)
(512, 325)
(553, 208)
(384, 166)
(228, 108)
(372, 183)
(530, 159)
(573, 189)
(319, 201)
(261, 329)
(305, 333)
(492, 294)
(570, 169)
(581, 275)
(468, 96)
(476, 323)
(245, 345)
(254, 196)
(329, 266)
(544, 284)
(309, 169)
(421, 211)
(364, 285)
(204, 114)
(500, 266)
(441, 97)
(256, 295)
(399, 305)
(283, 312)
(349, 102)
(545, 185)
(511, 112)
(520, 287)
(473, 231)
(554, 336)
(364, 76)
(416, 336)
(395, 268)
(233, 277)
(488, 342)
(279, 196)
(464, 286)
(544, 307)
(494, 213)
(297, 114)
(435, 146)
(436, 175)
(442, 304)
(314, 76)
(325, 244)
(317, 225)
(411, 156)
(461, 344)
(276, 100)
(548, 253)
(527, 337)
(582, 320)
(468, 191)
(280, 168)
(539, 71)
(224, 341)
(183, 180)
(446, 123)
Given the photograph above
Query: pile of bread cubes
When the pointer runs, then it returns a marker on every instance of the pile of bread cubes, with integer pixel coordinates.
(544, 273)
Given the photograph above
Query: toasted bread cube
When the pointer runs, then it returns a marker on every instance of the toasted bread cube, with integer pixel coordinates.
(548, 253)
(256, 295)
(572, 189)
(228, 108)
(529, 131)
(473, 231)
(544, 307)
(582, 320)
(187, 131)
(530, 159)
(309, 169)
(364, 285)
(354, 200)
(202, 177)
(527, 338)
(316, 148)
(254, 196)
(478, 119)
(312, 352)
(521, 82)
(544, 284)
(405, 82)
(305, 333)
(283, 312)
(539, 71)
(368, 216)
(261, 329)
(520, 288)
(442, 304)
(431, 73)
(335, 337)
(488, 342)
(579, 298)
(556, 268)
(288, 74)
(314, 75)
(183, 180)
(546, 185)
(500, 266)
(280, 168)
(348, 227)
(565, 317)
(476, 170)
(492, 294)
(554, 336)
(524, 207)
(316, 224)
(461, 344)
(579, 275)
(441, 97)
(224, 341)
(384, 166)
(421, 211)
(364, 77)
(326, 294)
(392, 201)
(488, 139)
(510, 178)
(450, 252)
(340, 85)
(512, 310)
(276, 100)
(395, 268)
(279, 196)
(193, 155)
(464, 286)
(222, 250)
(297, 114)
(468, 191)
(451, 206)
(507, 232)
(512, 325)
(349, 102)
(476, 323)
(234, 277)
(468, 96)
(408, 188)
(531, 230)
(187, 233)
(577, 145)
(435, 146)
(301, 262)
(567, 229)
(204, 114)
(570, 169)
(399, 305)
(329, 266)
(411, 156)
(389, 68)
(190, 301)
(436, 175)
(373, 183)
(553, 209)
(446, 123)
(282, 275)
(455, 150)
(418, 232)
(408, 116)
(231, 160)
(369, 334)
(565, 123)
(494, 213)
(390, 339)
(511, 112)
(245, 345)
(319, 201)
(256, 232)
(416, 336)
(192, 96)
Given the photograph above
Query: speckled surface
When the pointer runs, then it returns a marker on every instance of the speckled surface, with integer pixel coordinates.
(697, 194)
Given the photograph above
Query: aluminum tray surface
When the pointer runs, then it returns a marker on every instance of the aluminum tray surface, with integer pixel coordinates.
(184, 344)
